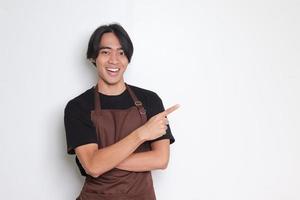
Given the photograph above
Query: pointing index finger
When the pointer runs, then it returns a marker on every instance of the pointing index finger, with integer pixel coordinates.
(171, 109)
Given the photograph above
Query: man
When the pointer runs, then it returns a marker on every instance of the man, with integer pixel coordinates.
(118, 132)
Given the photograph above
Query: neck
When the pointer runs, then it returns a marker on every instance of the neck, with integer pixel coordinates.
(111, 89)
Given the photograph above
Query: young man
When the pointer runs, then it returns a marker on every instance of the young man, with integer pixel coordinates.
(118, 132)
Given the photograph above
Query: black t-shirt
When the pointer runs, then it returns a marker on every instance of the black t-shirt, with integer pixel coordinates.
(79, 126)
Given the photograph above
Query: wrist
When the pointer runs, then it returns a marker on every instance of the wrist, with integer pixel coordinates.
(140, 135)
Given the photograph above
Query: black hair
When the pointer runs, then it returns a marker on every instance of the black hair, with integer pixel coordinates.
(121, 34)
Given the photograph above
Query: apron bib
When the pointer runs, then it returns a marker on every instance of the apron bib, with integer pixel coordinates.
(111, 126)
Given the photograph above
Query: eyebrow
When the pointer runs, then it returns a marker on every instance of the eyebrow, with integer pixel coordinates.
(104, 47)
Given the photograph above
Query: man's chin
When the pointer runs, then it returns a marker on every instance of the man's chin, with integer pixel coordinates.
(112, 82)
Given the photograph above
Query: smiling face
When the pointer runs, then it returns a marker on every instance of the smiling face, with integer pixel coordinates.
(111, 61)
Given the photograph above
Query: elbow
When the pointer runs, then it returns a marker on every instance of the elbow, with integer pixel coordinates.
(163, 164)
(162, 161)
(93, 172)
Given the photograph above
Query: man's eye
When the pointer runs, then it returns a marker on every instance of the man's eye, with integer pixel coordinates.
(104, 52)
(122, 53)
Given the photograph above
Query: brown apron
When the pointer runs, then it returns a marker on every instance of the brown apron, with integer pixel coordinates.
(112, 126)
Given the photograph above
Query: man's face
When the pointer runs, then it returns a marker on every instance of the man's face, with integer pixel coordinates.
(111, 61)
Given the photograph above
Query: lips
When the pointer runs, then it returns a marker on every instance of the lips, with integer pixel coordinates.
(113, 71)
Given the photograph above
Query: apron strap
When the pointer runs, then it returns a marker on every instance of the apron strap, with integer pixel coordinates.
(97, 102)
(137, 103)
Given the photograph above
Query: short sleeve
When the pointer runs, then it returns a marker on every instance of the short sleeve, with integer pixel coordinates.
(78, 126)
(155, 106)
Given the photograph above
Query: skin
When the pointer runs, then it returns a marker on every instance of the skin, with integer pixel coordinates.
(111, 65)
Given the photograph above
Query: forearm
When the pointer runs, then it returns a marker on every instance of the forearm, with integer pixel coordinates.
(105, 159)
(144, 161)
(96, 162)
(157, 158)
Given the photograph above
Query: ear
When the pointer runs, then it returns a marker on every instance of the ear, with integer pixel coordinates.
(92, 60)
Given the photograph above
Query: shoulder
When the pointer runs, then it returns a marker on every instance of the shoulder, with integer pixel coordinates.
(144, 94)
(152, 102)
(83, 101)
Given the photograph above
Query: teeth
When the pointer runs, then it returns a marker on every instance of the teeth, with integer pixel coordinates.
(113, 69)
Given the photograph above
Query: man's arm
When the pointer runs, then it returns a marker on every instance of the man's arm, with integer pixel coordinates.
(98, 161)
(157, 158)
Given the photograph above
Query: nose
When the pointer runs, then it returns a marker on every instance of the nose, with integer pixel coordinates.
(113, 58)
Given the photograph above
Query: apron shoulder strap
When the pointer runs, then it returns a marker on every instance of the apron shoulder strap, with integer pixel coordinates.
(97, 103)
(137, 103)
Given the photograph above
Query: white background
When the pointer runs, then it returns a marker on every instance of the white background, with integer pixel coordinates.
(234, 67)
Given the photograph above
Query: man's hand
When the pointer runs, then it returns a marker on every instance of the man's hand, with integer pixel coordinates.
(98, 161)
(156, 126)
